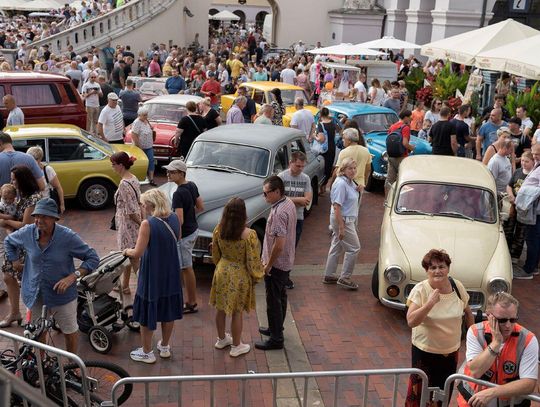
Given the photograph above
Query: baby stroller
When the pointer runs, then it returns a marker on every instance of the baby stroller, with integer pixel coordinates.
(98, 313)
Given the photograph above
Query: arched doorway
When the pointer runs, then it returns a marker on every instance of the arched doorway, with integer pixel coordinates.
(213, 23)
(530, 17)
(259, 18)
(242, 16)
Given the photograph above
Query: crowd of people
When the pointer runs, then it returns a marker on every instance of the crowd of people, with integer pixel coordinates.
(149, 228)
(19, 31)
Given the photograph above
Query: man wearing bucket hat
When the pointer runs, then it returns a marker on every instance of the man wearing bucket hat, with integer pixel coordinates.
(49, 275)
(186, 202)
(111, 121)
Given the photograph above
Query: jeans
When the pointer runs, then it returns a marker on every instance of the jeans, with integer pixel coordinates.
(276, 302)
(350, 244)
(393, 170)
(150, 154)
(299, 227)
(532, 238)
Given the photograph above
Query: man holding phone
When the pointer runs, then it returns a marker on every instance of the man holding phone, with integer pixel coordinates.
(500, 351)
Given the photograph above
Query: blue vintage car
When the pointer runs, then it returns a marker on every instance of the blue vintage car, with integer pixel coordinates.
(374, 122)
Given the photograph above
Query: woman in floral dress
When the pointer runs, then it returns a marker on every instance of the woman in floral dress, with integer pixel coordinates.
(236, 254)
(128, 215)
(28, 192)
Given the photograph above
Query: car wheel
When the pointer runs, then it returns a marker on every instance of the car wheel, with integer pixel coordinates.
(95, 194)
(375, 281)
(370, 185)
(314, 199)
(259, 229)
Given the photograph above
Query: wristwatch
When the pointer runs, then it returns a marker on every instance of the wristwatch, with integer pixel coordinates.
(77, 273)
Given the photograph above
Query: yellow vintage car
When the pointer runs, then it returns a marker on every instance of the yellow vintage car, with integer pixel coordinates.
(80, 160)
(259, 91)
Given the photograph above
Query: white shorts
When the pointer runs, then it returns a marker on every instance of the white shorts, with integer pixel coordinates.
(64, 315)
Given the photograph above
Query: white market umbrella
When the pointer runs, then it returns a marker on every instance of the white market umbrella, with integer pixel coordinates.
(389, 42)
(344, 49)
(519, 58)
(225, 15)
(463, 48)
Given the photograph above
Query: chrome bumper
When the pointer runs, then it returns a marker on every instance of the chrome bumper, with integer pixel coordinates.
(400, 306)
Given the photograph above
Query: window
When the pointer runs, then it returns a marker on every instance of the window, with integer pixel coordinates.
(258, 97)
(35, 95)
(23, 145)
(447, 200)
(2, 93)
(297, 145)
(281, 162)
(70, 93)
(64, 149)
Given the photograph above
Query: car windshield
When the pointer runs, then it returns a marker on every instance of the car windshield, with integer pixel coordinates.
(229, 157)
(288, 96)
(375, 121)
(102, 144)
(447, 200)
(163, 112)
(153, 88)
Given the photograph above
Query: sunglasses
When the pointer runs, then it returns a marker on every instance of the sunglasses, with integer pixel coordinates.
(265, 193)
(505, 320)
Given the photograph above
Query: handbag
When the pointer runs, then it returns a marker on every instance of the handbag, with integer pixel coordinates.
(53, 193)
(316, 146)
(112, 225)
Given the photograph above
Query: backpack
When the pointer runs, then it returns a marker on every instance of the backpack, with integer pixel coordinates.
(394, 143)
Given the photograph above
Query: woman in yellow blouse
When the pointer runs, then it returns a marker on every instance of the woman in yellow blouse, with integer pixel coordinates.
(236, 254)
(436, 307)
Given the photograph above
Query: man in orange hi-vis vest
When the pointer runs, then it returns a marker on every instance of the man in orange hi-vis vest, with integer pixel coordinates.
(500, 351)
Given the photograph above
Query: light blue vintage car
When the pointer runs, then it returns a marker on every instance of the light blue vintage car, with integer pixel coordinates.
(234, 160)
(374, 122)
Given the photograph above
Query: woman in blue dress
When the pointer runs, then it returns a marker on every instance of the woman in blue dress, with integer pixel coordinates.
(159, 290)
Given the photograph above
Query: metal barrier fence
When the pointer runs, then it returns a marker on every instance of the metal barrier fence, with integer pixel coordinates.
(449, 384)
(274, 377)
(10, 384)
(59, 354)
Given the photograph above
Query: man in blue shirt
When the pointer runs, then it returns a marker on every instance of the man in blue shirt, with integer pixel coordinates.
(49, 276)
(487, 134)
(9, 158)
(175, 84)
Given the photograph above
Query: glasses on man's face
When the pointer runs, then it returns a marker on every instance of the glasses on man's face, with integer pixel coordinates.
(503, 321)
(265, 193)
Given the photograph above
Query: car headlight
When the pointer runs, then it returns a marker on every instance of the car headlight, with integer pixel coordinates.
(394, 275)
(384, 156)
(497, 285)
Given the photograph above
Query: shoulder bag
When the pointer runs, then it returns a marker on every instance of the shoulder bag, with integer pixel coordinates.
(53, 193)
(113, 220)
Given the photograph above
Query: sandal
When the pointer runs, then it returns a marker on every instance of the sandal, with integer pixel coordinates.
(152, 183)
(190, 308)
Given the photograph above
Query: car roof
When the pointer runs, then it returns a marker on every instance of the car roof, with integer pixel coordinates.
(355, 108)
(174, 99)
(269, 85)
(445, 169)
(258, 135)
(40, 130)
(32, 76)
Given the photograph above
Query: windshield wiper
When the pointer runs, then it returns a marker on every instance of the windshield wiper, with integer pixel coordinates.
(226, 168)
(405, 210)
(458, 214)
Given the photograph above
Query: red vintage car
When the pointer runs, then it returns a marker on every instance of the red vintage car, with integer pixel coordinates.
(164, 113)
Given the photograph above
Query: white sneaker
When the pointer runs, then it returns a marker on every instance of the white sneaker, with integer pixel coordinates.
(239, 350)
(223, 343)
(138, 355)
(164, 351)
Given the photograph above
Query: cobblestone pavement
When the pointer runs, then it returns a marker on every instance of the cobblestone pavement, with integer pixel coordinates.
(328, 328)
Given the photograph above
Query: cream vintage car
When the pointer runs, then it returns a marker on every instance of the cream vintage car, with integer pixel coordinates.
(448, 203)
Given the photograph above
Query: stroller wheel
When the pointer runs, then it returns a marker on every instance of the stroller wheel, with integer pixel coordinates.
(100, 339)
(130, 323)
